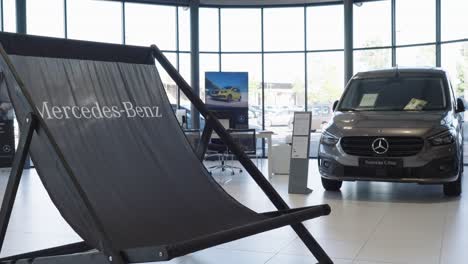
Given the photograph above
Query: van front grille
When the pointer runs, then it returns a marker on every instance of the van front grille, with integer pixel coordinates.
(397, 146)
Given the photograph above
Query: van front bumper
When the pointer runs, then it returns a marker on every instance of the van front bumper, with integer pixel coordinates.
(437, 171)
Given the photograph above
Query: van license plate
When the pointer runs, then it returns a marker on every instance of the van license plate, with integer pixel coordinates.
(381, 163)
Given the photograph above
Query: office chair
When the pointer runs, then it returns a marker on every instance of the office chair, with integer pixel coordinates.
(217, 148)
(247, 140)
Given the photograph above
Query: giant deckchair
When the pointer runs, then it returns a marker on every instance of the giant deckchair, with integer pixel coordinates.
(97, 123)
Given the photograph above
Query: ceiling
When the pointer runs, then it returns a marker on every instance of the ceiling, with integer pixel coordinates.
(236, 3)
(261, 2)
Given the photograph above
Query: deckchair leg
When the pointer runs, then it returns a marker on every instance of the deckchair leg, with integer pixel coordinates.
(80, 258)
(312, 244)
(205, 138)
(250, 167)
(30, 124)
(50, 252)
(15, 174)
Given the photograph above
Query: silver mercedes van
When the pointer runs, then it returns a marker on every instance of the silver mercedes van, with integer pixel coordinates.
(395, 125)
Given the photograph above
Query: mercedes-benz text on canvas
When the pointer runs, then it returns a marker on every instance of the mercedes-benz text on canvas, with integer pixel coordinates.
(97, 111)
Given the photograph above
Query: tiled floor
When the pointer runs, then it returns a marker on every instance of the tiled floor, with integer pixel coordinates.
(371, 223)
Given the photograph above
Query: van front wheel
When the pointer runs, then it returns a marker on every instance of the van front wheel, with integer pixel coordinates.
(454, 189)
(331, 185)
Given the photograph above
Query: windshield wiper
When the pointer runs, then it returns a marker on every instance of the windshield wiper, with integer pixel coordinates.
(347, 109)
(388, 109)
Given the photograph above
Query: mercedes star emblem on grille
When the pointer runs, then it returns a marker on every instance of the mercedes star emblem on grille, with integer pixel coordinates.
(380, 146)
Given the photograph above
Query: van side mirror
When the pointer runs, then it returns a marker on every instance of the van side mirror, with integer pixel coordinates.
(460, 105)
(335, 104)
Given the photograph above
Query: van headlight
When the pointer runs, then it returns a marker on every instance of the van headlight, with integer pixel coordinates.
(328, 139)
(444, 138)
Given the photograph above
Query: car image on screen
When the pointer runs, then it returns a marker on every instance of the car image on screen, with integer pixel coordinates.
(227, 94)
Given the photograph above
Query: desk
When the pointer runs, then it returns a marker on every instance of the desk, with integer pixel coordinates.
(268, 136)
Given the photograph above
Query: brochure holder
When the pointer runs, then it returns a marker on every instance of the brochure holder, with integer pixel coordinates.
(299, 165)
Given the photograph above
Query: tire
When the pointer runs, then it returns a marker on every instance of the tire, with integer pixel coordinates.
(229, 98)
(462, 160)
(331, 185)
(454, 189)
(240, 99)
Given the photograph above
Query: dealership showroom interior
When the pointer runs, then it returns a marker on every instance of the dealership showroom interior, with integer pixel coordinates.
(233, 131)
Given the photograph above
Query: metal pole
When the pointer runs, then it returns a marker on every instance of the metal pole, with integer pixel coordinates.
(15, 175)
(21, 16)
(195, 58)
(65, 18)
(348, 40)
(124, 32)
(219, 40)
(306, 80)
(263, 82)
(2, 15)
(438, 33)
(394, 61)
(178, 52)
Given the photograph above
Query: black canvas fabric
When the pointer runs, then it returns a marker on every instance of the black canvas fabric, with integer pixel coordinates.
(27, 45)
(139, 172)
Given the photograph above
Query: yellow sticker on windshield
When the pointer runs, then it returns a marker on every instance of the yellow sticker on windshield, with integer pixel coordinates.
(415, 104)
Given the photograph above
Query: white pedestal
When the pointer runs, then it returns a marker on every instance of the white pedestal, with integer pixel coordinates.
(281, 155)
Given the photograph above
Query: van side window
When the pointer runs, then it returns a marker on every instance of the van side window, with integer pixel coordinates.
(452, 92)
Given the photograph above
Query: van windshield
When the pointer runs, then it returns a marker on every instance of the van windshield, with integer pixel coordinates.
(395, 94)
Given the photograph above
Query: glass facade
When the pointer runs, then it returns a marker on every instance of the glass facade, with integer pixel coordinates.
(241, 30)
(284, 91)
(372, 24)
(52, 24)
(416, 56)
(138, 16)
(294, 55)
(183, 28)
(415, 21)
(325, 30)
(9, 15)
(372, 59)
(455, 61)
(209, 29)
(283, 29)
(454, 23)
(102, 23)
